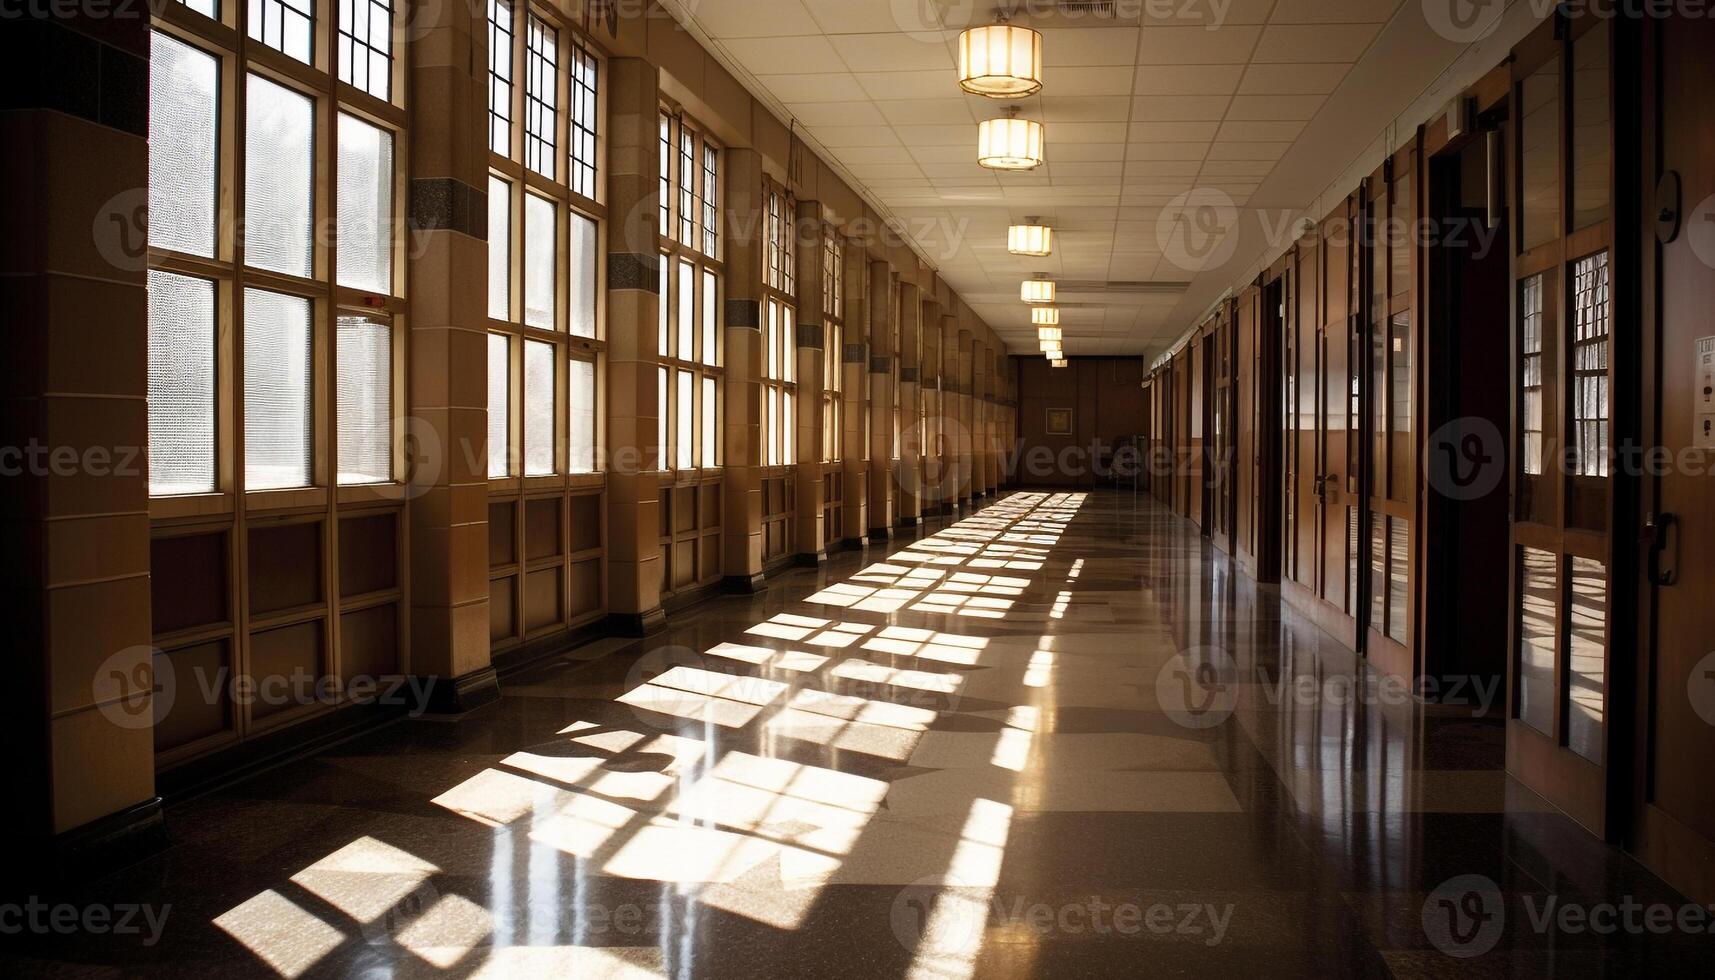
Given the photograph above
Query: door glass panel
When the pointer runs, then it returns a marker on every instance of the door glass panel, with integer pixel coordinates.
(1586, 668)
(1539, 586)
(1400, 455)
(1398, 577)
(1539, 157)
(1587, 494)
(1591, 127)
(1378, 572)
(1537, 379)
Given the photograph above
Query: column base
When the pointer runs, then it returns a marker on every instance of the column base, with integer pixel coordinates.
(459, 695)
(810, 559)
(880, 535)
(851, 544)
(744, 584)
(646, 623)
(909, 522)
(100, 846)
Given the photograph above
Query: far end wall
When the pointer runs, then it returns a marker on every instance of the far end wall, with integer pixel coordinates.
(1105, 398)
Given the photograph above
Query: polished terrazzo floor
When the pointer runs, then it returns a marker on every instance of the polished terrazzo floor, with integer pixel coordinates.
(1057, 737)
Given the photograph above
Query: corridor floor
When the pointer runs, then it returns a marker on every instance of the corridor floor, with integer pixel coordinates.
(1057, 737)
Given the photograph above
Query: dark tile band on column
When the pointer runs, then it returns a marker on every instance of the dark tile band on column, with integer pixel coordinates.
(809, 336)
(881, 365)
(744, 313)
(908, 374)
(631, 270)
(449, 204)
(855, 354)
(51, 65)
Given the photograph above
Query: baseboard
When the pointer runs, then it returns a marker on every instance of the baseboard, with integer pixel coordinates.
(745, 584)
(810, 559)
(851, 544)
(464, 694)
(880, 535)
(637, 624)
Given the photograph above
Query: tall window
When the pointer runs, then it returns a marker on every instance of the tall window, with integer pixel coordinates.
(780, 349)
(544, 261)
(833, 336)
(688, 329)
(310, 324)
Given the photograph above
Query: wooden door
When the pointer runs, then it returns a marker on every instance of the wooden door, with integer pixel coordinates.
(1301, 509)
(1559, 614)
(1673, 795)
(1390, 344)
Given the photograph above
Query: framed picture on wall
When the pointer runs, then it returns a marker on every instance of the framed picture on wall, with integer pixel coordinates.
(1059, 422)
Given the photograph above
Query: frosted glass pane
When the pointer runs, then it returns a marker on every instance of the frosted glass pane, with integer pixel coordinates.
(788, 345)
(208, 8)
(787, 422)
(499, 249)
(1538, 615)
(184, 96)
(662, 304)
(499, 405)
(685, 458)
(277, 394)
(771, 435)
(278, 178)
(181, 384)
(365, 202)
(583, 284)
(365, 372)
(582, 416)
(538, 408)
(711, 291)
(538, 262)
(662, 446)
(686, 351)
(711, 445)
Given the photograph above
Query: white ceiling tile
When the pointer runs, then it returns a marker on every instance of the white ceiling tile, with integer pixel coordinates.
(1167, 151)
(783, 55)
(1112, 80)
(846, 17)
(1088, 152)
(1104, 132)
(928, 112)
(859, 155)
(1262, 131)
(1178, 108)
(1293, 79)
(1187, 79)
(835, 137)
(1333, 11)
(1290, 43)
(938, 136)
(1248, 151)
(1280, 107)
(1162, 168)
(756, 18)
(819, 114)
(885, 171)
(937, 84)
(1180, 12)
(822, 87)
(891, 52)
(944, 154)
(1238, 168)
(1172, 132)
(1088, 46)
(1197, 45)
(1073, 109)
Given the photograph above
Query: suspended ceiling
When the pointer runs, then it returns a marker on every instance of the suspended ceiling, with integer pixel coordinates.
(1260, 102)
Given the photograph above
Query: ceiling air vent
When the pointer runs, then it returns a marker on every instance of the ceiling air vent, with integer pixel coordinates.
(1087, 8)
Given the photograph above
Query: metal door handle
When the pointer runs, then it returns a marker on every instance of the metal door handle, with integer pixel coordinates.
(1660, 529)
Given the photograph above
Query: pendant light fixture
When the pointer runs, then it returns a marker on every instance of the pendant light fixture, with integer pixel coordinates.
(1000, 61)
(1049, 333)
(1010, 142)
(1030, 238)
(1045, 316)
(1049, 347)
(1037, 291)
(1058, 362)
